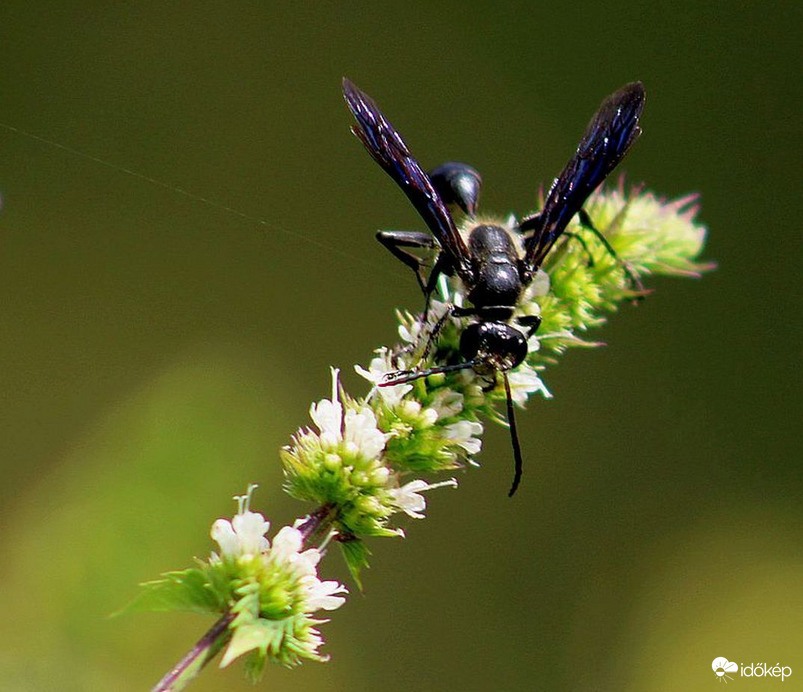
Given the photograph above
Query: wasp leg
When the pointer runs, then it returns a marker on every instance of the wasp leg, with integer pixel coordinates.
(395, 241)
(431, 337)
(436, 330)
(407, 374)
(531, 322)
(529, 223)
(532, 222)
(579, 239)
(633, 279)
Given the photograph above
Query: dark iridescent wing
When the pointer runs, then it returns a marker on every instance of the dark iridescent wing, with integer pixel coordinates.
(388, 149)
(609, 135)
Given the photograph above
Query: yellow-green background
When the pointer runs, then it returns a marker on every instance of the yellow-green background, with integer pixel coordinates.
(156, 351)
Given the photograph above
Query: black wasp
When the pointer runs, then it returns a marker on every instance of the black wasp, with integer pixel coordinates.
(495, 263)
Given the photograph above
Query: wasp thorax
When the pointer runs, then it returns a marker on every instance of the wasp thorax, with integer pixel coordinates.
(494, 345)
(496, 264)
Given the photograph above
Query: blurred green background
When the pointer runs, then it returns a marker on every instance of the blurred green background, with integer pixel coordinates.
(157, 350)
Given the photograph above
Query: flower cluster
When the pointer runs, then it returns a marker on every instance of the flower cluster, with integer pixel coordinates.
(275, 589)
(269, 590)
(649, 236)
(362, 460)
(346, 462)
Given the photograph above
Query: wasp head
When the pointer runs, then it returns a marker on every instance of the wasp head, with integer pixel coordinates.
(493, 346)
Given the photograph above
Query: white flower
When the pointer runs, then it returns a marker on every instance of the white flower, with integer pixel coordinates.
(377, 372)
(412, 333)
(287, 544)
(245, 533)
(524, 382)
(408, 499)
(465, 433)
(412, 409)
(357, 430)
(327, 414)
(283, 568)
(287, 555)
(447, 403)
(362, 436)
(533, 344)
(320, 594)
(540, 285)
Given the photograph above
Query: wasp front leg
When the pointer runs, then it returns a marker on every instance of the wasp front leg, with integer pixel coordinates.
(397, 241)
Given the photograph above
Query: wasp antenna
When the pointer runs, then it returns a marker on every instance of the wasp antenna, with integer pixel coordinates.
(514, 438)
(404, 376)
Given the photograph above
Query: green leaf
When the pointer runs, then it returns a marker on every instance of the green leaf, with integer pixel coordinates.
(185, 591)
(356, 553)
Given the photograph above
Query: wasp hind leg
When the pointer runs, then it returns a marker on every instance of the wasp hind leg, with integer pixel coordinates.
(632, 278)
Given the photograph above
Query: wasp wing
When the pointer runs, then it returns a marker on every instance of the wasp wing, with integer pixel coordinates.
(388, 149)
(609, 135)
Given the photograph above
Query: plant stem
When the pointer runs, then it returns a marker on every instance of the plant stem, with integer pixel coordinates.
(204, 651)
(317, 524)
